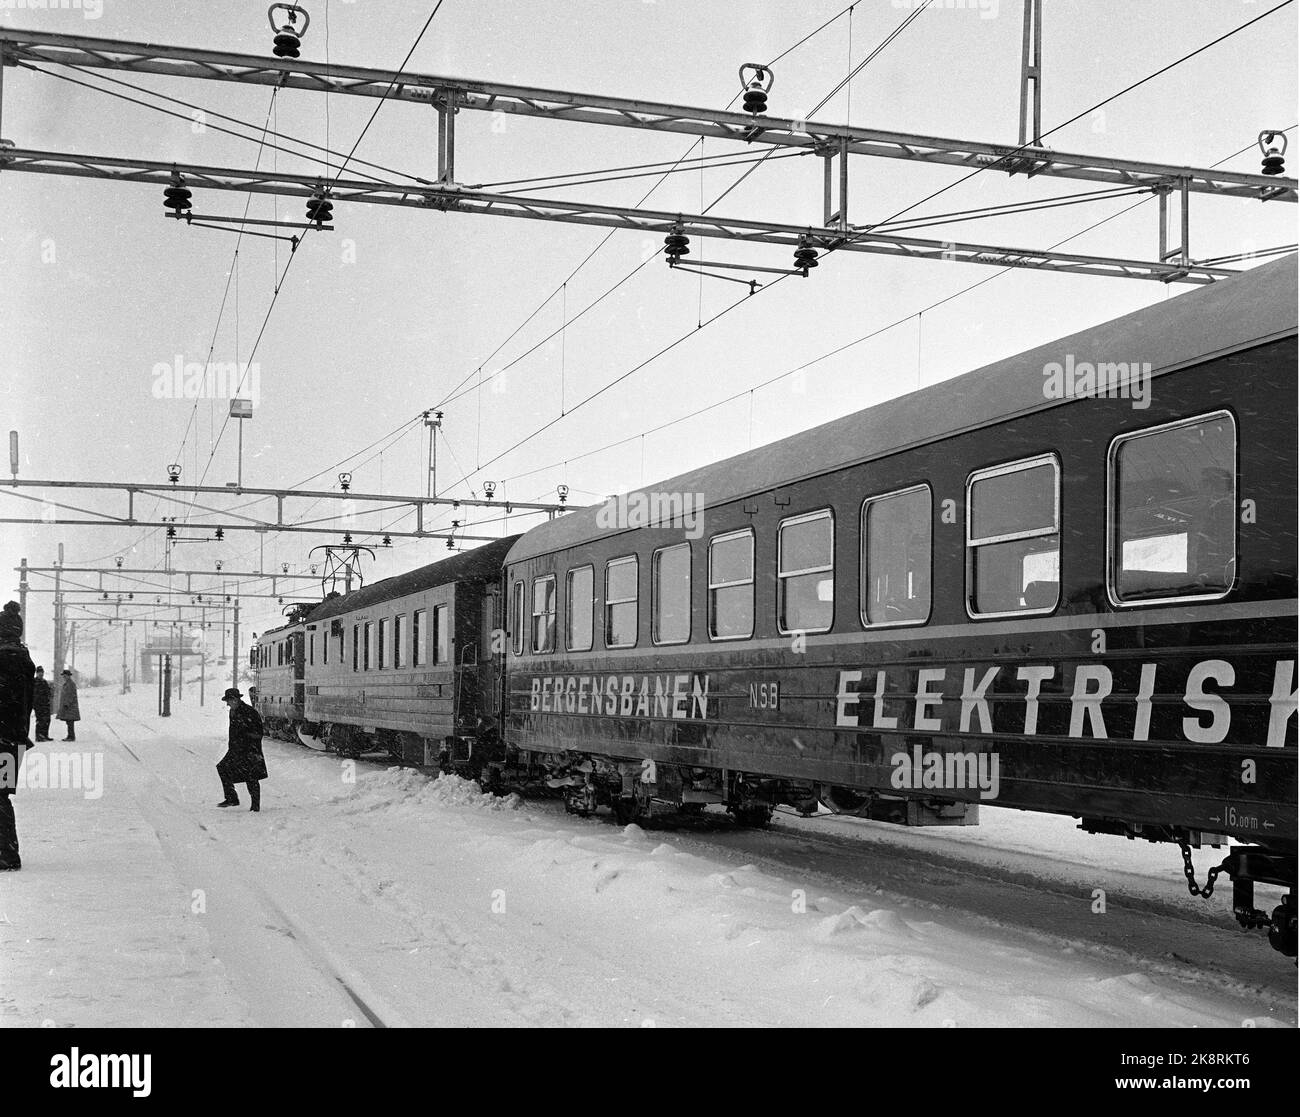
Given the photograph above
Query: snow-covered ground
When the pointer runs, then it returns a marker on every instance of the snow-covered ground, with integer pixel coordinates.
(368, 896)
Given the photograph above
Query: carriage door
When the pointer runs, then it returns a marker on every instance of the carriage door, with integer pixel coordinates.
(299, 672)
(489, 661)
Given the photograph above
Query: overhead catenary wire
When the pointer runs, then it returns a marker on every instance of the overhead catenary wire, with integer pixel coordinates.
(1086, 112)
(702, 324)
(1029, 148)
(741, 394)
(453, 393)
(218, 115)
(871, 55)
(703, 162)
(279, 284)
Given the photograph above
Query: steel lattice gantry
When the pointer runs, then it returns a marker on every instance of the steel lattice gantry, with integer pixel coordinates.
(450, 95)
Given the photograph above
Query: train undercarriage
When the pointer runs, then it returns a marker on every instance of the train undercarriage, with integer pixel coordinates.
(649, 793)
(641, 790)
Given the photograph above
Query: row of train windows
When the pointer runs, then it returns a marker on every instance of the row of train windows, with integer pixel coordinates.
(1171, 536)
(261, 656)
(388, 644)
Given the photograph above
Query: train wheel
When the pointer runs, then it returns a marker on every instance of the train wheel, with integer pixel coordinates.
(753, 816)
(625, 810)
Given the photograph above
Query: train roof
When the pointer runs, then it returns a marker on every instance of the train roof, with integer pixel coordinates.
(481, 563)
(279, 629)
(1251, 309)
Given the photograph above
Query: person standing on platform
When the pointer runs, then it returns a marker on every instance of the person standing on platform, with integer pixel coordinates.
(41, 704)
(243, 762)
(69, 710)
(16, 676)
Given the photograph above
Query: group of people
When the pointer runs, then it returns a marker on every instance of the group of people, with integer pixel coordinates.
(24, 690)
(69, 708)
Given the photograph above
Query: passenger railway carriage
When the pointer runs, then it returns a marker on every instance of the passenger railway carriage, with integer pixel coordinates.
(1063, 583)
(1005, 588)
(406, 664)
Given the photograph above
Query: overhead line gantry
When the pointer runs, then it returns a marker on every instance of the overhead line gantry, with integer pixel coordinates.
(448, 96)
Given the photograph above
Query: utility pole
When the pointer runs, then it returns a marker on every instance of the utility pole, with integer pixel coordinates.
(435, 425)
(73, 642)
(125, 687)
(58, 625)
(202, 652)
(97, 657)
(22, 589)
(1031, 75)
(234, 650)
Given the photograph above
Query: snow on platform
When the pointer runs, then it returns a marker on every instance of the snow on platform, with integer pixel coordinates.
(364, 896)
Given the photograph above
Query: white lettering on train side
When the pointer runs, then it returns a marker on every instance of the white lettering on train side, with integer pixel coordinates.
(1090, 696)
(680, 683)
(1086, 700)
(973, 700)
(1219, 671)
(1282, 702)
(1206, 719)
(1035, 676)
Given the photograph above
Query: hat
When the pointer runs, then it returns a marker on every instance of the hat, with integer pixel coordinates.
(231, 692)
(67, 672)
(40, 670)
(11, 621)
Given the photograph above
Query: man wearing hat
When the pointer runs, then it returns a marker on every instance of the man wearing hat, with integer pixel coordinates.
(243, 762)
(16, 673)
(69, 708)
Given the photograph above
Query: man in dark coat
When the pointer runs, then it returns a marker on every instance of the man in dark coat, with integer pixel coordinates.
(16, 674)
(41, 704)
(243, 762)
(69, 708)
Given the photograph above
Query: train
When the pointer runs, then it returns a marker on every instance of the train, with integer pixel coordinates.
(1063, 583)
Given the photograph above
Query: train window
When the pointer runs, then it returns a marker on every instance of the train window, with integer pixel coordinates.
(441, 635)
(367, 640)
(731, 586)
(311, 649)
(419, 653)
(381, 649)
(1173, 518)
(579, 602)
(399, 640)
(896, 531)
(805, 547)
(356, 645)
(517, 617)
(620, 602)
(670, 594)
(544, 613)
(1013, 538)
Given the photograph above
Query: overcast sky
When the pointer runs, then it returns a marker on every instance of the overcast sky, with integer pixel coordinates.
(385, 316)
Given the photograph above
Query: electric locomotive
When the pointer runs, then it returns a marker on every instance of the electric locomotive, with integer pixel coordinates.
(277, 663)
